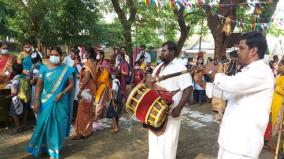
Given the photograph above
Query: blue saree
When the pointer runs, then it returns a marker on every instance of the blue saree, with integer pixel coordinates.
(27, 63)
(54, 120)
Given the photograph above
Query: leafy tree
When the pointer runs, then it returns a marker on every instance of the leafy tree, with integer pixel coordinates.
(126, 11)
(56, 22)
(5, 12)
(221, 28)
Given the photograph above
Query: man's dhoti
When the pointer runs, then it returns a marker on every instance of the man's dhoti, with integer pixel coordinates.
(223, 154)
(165, 145)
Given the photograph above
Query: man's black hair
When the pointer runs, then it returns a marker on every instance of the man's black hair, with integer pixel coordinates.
(172, 47)
(256, 39)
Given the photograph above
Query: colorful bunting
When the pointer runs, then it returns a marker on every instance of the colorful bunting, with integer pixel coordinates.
(191, 3)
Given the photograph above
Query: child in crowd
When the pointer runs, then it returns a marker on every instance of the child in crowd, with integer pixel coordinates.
(20, 97)
(116, 104)
(78, 66)
(37, 62)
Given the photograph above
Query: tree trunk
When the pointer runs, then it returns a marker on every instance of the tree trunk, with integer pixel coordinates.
(182, 39)
(220, 45)
(128, 41)
(184, 29)
(126, 23)
(216, 25)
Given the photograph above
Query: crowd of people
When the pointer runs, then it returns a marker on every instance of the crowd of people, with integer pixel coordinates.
(85, 89)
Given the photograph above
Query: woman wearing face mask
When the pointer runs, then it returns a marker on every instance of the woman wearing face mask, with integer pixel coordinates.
(24, 58)
(6, 63)
(53, 98)
(103, 82)
(88, 77)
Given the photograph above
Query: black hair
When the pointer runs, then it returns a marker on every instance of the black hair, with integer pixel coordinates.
(143, 46)
(172, 47)
(18, 68)
(78, 58)
(122, 47)
(234, 54)
(58, 49)
(190, 59)
(37, 57)
(102, 53)
(75, 50)
(141, 57)
(3, 43)
(26, 42)
(275, 57)
(91, 51)
(256, 39)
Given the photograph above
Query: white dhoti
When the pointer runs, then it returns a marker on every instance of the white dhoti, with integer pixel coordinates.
(223, 154)
(165, 145)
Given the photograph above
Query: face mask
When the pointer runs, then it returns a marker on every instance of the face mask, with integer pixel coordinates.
(98, 57)
(200, 61)
(4, 51)
(54, 59)
(27, 49)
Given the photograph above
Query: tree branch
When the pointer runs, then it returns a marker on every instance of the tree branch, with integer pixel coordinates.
(119, 11)
(132, 10)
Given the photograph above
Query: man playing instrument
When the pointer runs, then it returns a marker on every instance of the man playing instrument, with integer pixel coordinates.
(249, 95)
(164, 146)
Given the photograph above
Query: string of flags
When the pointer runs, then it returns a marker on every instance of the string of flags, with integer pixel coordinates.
(193, 3)
(258, 24)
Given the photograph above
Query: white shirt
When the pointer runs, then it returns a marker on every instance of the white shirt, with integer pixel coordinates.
(197, 86)
(68, 61)
(180, 82)
(147, 57)
(115, 85)
(127, 59)
(79, 67)
(117, 60)
(249, 94)
(183, 61)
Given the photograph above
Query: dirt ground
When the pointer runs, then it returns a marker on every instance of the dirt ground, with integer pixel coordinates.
(198, 137)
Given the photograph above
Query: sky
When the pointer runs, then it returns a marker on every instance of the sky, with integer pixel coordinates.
(279, 12)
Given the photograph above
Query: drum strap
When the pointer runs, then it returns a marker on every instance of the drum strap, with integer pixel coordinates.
(161, 91)
(159, 70)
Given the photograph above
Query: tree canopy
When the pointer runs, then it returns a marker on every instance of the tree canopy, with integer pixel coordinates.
(80, 22)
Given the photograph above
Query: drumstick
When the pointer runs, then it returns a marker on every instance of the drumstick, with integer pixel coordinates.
(164, 77)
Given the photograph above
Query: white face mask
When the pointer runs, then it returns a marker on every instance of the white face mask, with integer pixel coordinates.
(4, 51)
(54, 59)
(28, 49)
(98, 57)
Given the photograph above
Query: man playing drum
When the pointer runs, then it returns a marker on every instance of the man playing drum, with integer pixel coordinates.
(249, 95)
(165, 145)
